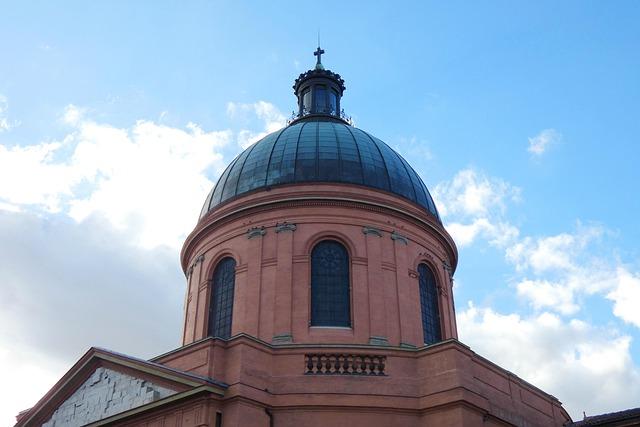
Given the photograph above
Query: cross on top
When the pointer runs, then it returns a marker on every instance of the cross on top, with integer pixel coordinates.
(318, 53)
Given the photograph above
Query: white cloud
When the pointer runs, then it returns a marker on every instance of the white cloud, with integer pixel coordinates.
(544, 294)
(88, 218)
(626, 296)
(497, 234)
(5, 124)
(72, 114)
(149, 179)
(473, 205)
(30, 175)
(559, 252)
(472, 193)
(568, 359)
(272, 119)
(555, 275)
(558, 271)
(542, 141)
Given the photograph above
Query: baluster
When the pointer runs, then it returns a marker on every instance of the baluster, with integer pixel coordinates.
(345, 364)
(371, 365)
(327, 365)
(357, 364)
(381, 365)
(309, 363)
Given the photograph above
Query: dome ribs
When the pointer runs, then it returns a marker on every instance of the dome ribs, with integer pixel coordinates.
(320, 151)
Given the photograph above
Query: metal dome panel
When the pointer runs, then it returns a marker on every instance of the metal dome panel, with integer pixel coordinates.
(323, 152)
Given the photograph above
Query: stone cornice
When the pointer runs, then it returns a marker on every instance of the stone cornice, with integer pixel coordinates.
(307, 196)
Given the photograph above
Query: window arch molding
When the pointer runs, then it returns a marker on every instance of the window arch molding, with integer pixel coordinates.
(434, 263)
(318, 303)
(330, 235)
(224, 253)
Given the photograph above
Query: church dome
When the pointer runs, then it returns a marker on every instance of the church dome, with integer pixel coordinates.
(317, 150)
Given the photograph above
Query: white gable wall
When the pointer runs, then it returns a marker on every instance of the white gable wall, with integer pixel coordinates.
(105, 393)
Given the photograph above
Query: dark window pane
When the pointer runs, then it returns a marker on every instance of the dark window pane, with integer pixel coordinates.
(330, 302)
(333, 102)
(306, 101)
(320, 93)
(429, 305)
(221, 304)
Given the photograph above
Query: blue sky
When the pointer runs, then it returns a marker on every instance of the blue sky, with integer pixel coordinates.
(116, 119)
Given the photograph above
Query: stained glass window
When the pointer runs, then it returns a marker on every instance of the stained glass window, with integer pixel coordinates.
(221, 305)
(330, 302)
(429, 305)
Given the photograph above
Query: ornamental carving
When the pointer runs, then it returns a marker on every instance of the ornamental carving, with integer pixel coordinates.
(256, 232)
(285, 226)
(395, 236)
(371, 230)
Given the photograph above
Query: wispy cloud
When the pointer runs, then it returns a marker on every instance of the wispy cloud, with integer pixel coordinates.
(5, 123)
(540, 143)
(473, 205)
(271, 117)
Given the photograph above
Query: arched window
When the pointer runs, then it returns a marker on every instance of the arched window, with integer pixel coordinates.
(429, 305)
(330, 302)
(221, 304)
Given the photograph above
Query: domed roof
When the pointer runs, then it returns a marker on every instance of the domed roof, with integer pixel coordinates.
(320, 151)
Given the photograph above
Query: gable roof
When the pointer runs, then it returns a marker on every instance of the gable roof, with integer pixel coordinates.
(184, 383)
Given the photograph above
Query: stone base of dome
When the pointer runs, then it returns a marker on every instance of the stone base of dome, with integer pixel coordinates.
(319, 385)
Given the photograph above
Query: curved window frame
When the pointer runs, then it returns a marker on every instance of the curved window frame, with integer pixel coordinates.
(330, 285)
(429, 304)
(221, 297)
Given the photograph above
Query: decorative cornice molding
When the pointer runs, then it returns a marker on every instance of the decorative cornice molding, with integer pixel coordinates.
(374, 340)
(282, 339)
(285, 226)
(397, 237)
(226, 214)
(371, 230)
(256, 232)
